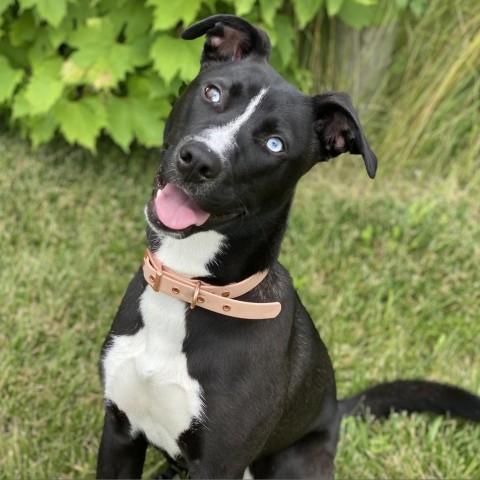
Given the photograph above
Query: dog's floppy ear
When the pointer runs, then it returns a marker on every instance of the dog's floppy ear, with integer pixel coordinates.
(229, 38)
(338, 129)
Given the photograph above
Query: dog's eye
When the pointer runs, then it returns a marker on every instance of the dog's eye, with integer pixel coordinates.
(275, 145)
(212, 93)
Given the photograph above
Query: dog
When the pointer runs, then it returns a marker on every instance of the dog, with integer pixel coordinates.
(212, 358)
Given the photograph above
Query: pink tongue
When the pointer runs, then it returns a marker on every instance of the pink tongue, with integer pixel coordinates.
(177, 210)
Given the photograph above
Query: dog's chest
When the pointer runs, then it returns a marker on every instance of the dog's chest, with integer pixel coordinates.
(146, 374)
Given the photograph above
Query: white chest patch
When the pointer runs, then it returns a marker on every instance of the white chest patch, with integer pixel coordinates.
(146, 374)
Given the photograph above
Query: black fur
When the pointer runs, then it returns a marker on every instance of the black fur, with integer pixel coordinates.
(414, 396)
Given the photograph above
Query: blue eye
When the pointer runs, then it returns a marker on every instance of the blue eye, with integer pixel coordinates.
(212, 93)
(275, 145)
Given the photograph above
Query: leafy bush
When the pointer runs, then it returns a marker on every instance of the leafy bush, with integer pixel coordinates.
(83, 67)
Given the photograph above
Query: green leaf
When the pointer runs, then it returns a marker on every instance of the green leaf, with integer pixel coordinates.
(100, 60)
(4, 4)
(21, 107)
(134, 17)
(105, 73)
(147, 123)
(72, 74)
(305, 10)
(110, 5)
(333, 7)
(148, 86)
(108, 70)
(77, 15)
(9, 79)
(42, 92)
(42, 129)
(23, 29)
(95, 37)
(57, 36)
(285, 37)
(168, 13)
(79, 12)
(242, 7)
(53, 11)
(136, 117)
(41, 48)
(268, 10)
(175, 56)
(119, 121)
(81, 121)
(44, 87)
(140, 50)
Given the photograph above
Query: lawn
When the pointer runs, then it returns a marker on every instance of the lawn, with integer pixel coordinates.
(389, 270)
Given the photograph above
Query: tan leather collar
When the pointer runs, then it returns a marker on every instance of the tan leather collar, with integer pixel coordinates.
(201, 294)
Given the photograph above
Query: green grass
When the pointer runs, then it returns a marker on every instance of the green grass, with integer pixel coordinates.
(389, 270)
(395, 294)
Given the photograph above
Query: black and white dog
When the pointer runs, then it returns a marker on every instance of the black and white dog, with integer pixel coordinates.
(241, 381)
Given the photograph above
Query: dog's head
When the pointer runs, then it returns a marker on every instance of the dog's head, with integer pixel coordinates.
(240, 137)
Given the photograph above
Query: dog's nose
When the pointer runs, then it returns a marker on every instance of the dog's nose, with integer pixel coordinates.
(197, 163)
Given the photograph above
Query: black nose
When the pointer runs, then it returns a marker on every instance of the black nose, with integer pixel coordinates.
(197, 163)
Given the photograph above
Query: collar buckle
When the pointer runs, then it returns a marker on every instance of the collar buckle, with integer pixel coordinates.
(196, 297)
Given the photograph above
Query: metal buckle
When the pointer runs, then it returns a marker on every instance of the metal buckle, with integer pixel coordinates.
(193, 304)
(157, 280)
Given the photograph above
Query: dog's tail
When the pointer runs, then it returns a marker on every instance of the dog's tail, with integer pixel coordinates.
(413, 396)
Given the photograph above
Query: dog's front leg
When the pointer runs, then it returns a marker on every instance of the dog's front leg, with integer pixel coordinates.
(121, 455)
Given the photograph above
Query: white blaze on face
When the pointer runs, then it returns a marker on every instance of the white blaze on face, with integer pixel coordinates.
(221, 139)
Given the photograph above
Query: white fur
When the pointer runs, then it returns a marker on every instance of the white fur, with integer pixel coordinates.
(146, 374)
(247, 474)
(190, 255)
(221, 139)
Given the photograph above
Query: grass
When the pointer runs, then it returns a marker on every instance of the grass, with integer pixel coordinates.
(390, 269)
(395, 294)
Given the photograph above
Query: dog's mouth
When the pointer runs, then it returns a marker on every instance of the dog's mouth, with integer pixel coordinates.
(176, 210)
(171, 208)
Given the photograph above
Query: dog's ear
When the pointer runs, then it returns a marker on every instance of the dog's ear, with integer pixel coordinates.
(338, 129)
(229, 38)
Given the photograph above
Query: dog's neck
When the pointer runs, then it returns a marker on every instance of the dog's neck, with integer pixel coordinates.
(222, 259)
(190, 256)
